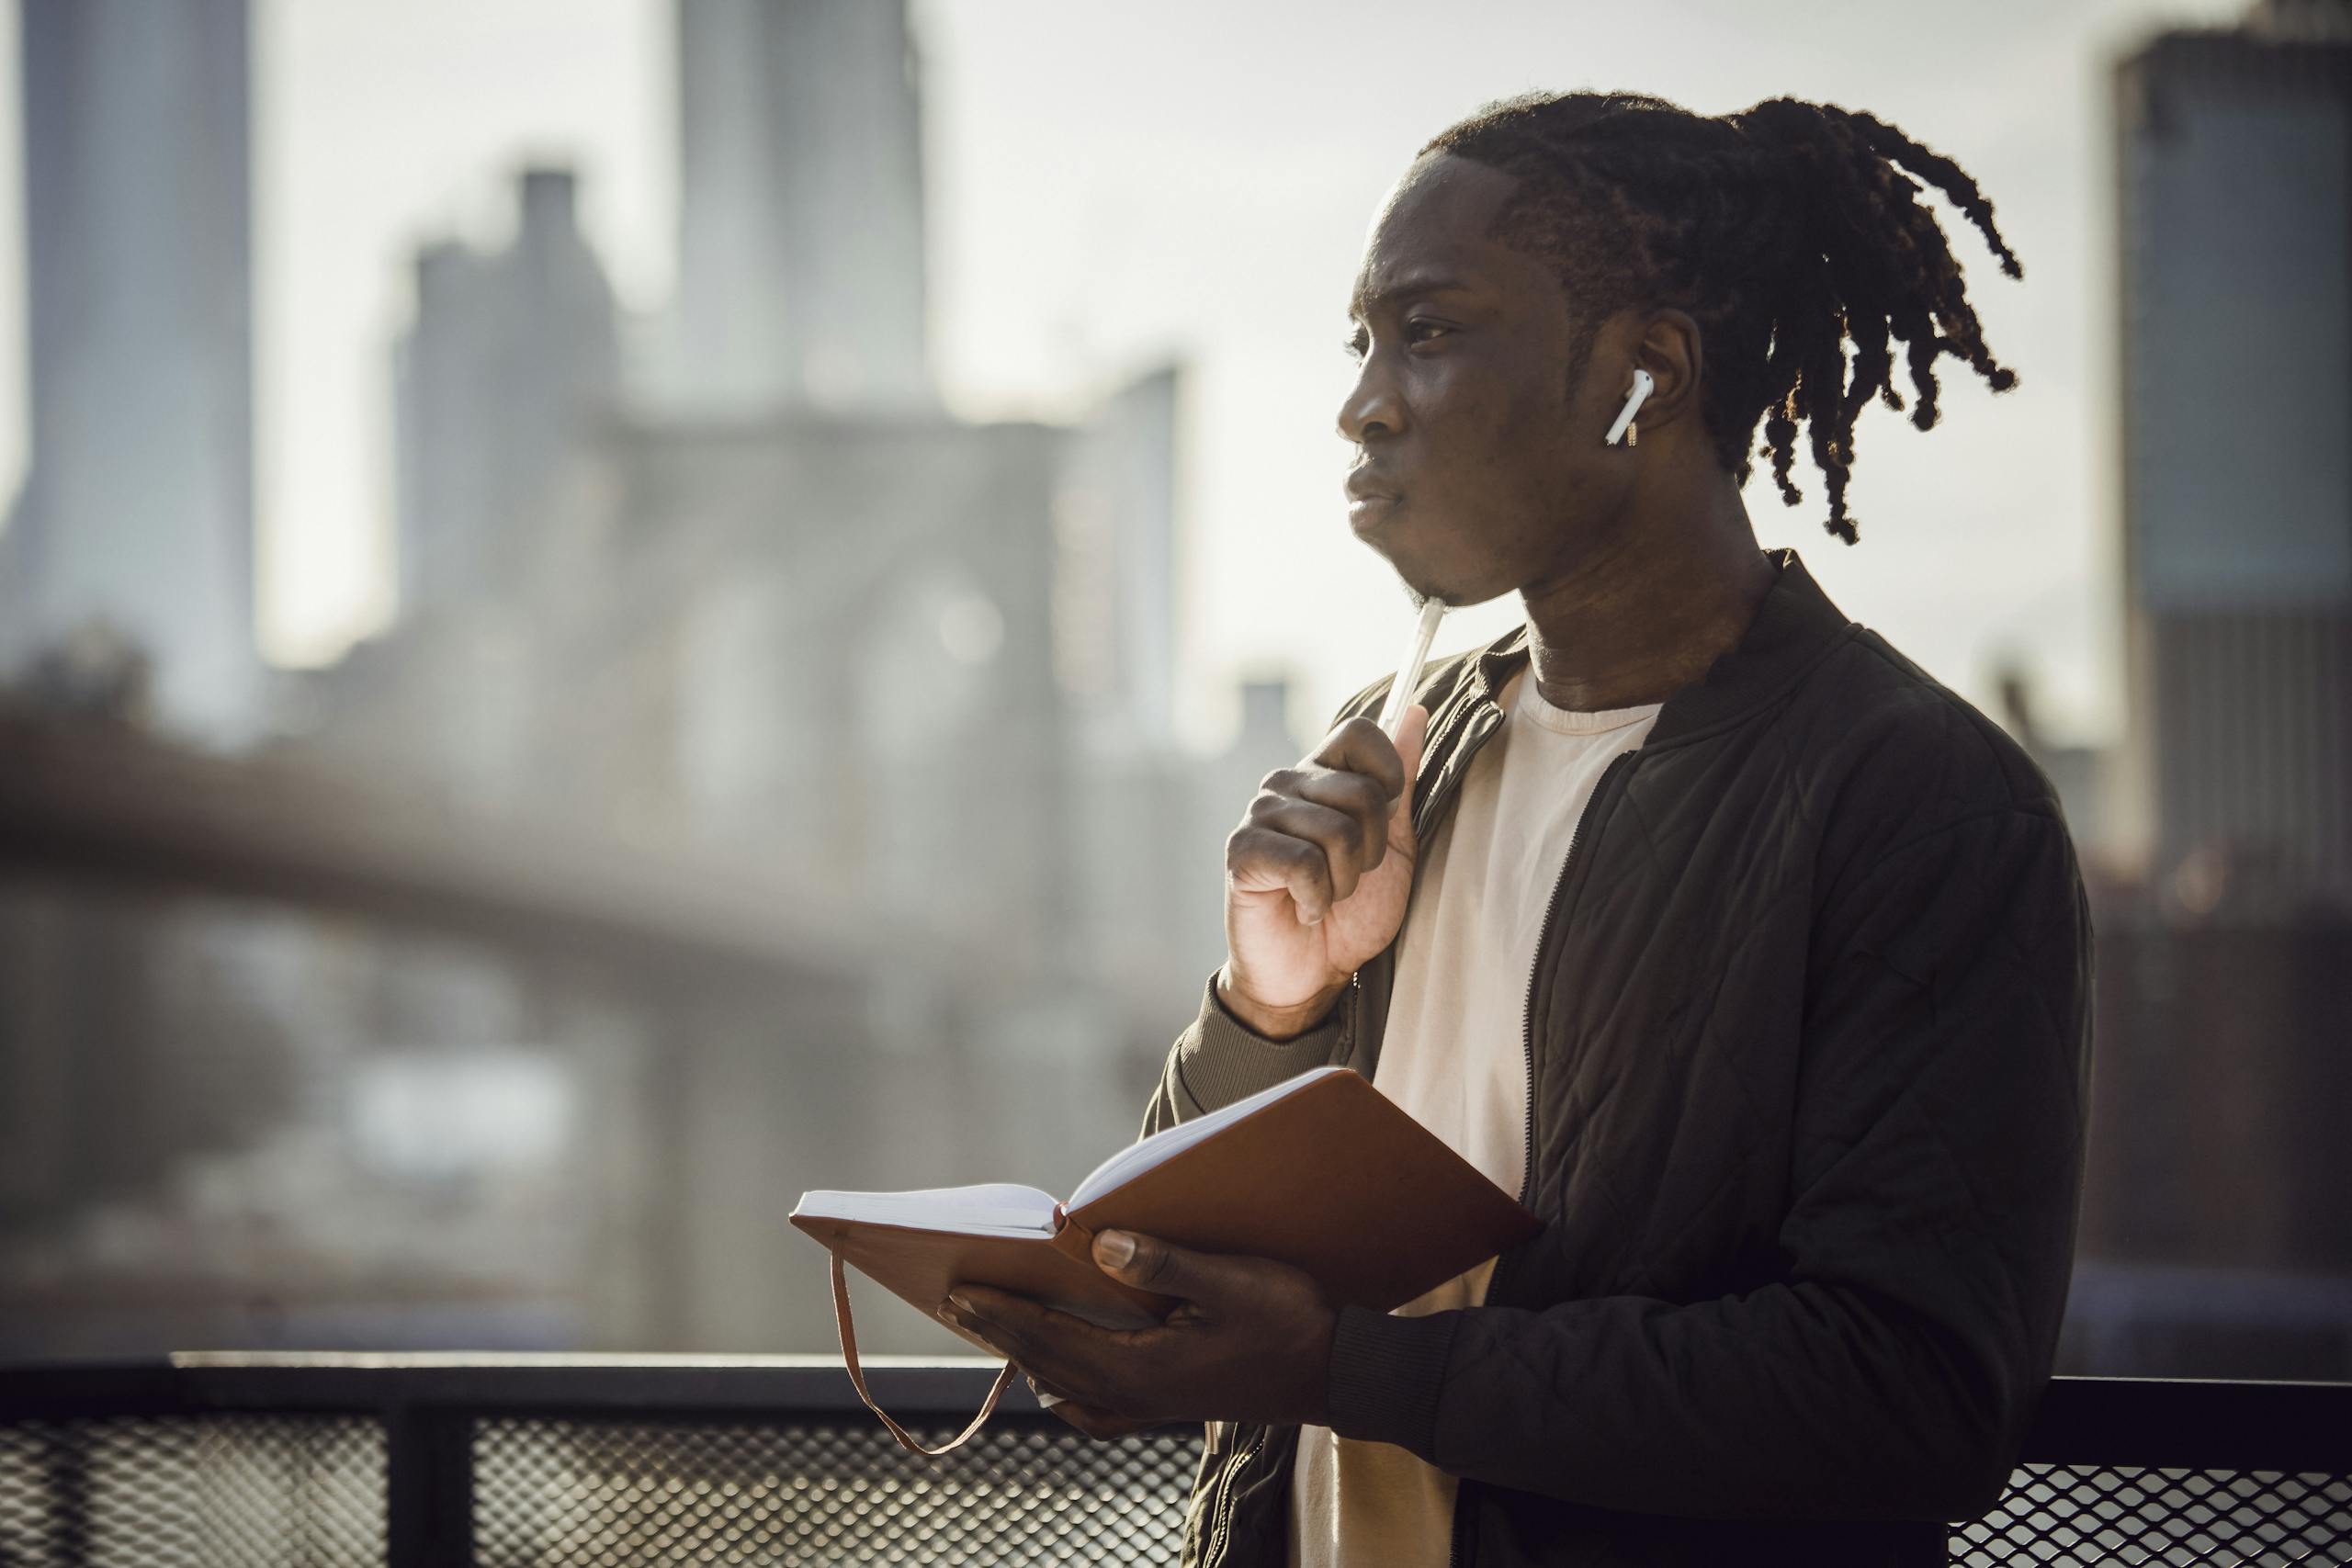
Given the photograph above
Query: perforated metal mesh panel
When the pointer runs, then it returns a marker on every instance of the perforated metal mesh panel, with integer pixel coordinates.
(308, 1491)
(216, 1491)
(2062, 1515)
(587, 1494)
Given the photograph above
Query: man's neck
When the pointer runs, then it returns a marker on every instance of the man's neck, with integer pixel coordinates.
(1648, 617)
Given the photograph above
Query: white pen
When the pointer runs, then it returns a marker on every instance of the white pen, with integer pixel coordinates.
(1409, 674)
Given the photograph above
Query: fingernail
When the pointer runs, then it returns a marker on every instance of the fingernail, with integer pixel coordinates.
(960, 1305)
(1115, 1247)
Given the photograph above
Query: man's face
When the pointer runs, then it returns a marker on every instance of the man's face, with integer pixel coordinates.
(1479, 469)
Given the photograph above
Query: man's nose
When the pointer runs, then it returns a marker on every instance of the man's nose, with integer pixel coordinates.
(1372, 408)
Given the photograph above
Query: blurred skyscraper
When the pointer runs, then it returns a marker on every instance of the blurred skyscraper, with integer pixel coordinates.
(1114, 534)
(2236, 163)
(135, 524)
(512, 359)
(800, 242)
(2213, 1234)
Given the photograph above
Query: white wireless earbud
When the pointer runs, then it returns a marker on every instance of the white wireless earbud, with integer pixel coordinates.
(1643, 386)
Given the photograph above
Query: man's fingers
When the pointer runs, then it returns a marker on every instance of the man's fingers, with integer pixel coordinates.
(1009, 1322)
(1001, 1341)
(1360, 800)
(1360, 746)
(1337, 835)
(1068, 1353)
(1098, 1424)
(1313, 829)
(1260, 859)
(1064, 1402)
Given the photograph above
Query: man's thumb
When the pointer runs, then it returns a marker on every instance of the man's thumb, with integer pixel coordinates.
(1149, 1263)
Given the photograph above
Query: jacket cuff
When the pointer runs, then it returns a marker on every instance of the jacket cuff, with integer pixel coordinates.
(1386, 1374)
(1221, 1059)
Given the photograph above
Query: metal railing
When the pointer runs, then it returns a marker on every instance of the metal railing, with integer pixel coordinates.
(315, 1461)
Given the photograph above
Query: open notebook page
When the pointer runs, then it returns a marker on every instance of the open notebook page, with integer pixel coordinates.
(1165, 1144)
(993, 1208)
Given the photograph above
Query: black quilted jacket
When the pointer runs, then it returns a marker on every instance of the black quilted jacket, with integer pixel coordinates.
(1807, 1037)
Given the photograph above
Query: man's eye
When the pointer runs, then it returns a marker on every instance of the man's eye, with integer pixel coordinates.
(1423, 330)
(1354, 345)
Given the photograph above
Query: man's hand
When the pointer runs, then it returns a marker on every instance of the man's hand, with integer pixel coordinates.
(1250, 1342)
(1318, 874)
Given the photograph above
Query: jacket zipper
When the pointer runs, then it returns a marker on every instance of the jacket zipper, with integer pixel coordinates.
(1527, 1010)
(1221, 1520)
(1454, 1557)
(1220, 1515)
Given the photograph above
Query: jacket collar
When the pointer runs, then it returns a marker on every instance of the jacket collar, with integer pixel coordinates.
(1794, 627)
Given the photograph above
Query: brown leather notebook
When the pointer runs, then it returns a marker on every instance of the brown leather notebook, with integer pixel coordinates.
(1321, 1171)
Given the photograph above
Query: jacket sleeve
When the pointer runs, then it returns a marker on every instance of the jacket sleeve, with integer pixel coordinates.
(1219, 1059)
(1891, 1370)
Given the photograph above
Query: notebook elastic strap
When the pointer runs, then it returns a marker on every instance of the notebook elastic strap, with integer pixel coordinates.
(857, 1377)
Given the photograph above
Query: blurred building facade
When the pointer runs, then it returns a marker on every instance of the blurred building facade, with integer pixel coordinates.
(801, 271)
(2082, 775)
(908, 675)
(2213, 1232)
(511, 362)
(138, 217)
(2235, 175)
(742, 610)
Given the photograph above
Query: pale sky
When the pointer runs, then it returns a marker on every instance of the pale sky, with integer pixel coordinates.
(1110, 185)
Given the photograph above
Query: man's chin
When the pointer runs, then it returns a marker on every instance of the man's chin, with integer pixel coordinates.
(1427, 572)
(1413, 573)
(1447, 588)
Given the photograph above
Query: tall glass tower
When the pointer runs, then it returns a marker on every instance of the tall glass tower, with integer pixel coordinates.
(136, 520)
(2235, 162)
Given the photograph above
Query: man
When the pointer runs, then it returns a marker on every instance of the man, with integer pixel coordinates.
(1756, 961)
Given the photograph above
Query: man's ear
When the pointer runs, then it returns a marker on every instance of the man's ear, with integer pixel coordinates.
(1671, 349)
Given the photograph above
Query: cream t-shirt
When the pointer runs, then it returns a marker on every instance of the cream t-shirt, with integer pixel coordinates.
(1454, 1055)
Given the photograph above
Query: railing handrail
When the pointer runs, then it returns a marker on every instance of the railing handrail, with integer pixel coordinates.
(649, 1385)
(2162, 1422)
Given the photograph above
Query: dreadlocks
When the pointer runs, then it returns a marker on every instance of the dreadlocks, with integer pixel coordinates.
(1785, 232)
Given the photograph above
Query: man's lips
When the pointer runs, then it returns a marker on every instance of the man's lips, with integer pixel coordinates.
(1369, 496)
(1367, 512)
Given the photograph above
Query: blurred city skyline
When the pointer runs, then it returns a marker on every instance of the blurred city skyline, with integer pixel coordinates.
(1089, 219)
(789, 769)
